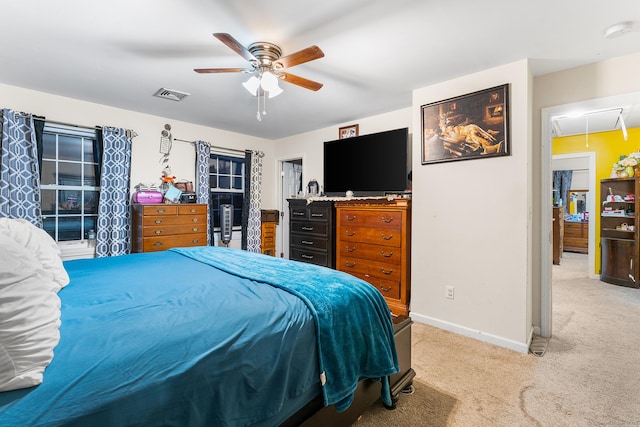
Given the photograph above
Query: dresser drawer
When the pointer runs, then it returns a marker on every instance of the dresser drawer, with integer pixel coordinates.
(365, 267)
(378, 253)
(157, 231)
(377, 219)
(387, 288)
(383, 237)
(155, 221)
(319, 243)
(192, 209)
(152, 244)
(158, 210)
(319, 258)
(310, 227)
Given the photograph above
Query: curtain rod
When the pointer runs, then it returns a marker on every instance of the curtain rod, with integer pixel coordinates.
(213, 146)
(130, 133)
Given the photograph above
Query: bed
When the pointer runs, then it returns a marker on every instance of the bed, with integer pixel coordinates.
(206, 336)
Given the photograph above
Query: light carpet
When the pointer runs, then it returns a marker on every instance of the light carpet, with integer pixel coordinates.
(589, 374)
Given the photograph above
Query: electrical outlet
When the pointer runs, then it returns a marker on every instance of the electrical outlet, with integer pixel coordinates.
(449, 293)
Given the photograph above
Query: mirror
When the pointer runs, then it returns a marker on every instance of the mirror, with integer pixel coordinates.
(577, 205)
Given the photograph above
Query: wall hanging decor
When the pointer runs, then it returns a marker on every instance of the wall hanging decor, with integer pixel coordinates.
(472, 126)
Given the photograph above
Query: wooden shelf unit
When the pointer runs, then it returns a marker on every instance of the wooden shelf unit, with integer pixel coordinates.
(619, 243)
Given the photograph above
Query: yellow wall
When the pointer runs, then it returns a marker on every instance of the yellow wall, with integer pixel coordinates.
(608, 147)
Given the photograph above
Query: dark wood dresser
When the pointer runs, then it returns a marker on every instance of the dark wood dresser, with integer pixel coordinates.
(373, 242)
(157, 227)
(312, 232)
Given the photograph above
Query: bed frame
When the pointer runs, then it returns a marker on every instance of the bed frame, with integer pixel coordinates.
(315, 414)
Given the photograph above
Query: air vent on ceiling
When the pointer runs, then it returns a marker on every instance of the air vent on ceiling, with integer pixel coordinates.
(174, 95)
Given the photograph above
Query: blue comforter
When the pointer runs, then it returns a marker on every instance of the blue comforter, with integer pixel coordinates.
(159, 339)
(354, 327)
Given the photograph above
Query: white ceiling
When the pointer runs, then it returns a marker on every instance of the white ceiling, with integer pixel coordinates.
(121, 52)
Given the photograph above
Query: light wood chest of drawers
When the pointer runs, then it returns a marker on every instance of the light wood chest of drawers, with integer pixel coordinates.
(373, 242)
(157, 227)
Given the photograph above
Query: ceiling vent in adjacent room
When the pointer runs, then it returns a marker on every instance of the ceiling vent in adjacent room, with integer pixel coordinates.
(174, 95)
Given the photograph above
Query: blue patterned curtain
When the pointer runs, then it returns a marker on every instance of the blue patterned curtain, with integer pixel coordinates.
(203, 151)
(113, 228)
(562, 184)
(19, 171)
(251, 221)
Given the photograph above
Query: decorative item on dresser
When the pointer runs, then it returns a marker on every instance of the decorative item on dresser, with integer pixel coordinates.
(157, 227)
(312, 232)
(373, 242)
(619, 231)
(269, 220)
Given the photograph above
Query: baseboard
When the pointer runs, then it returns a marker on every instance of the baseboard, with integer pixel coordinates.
(520, 347)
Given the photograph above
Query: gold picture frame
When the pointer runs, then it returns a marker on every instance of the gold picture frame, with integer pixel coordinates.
(349, 131)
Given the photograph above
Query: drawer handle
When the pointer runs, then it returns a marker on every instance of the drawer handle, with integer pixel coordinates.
(160, 211)
(350, 233)
(195, 240)
(307, 228)
(385, 237)
(317, 215)
(307, 256)
(158, 232)
(351, 218)
(193, 210)
(298, 214)
(386, 271)
(385, 289)
(157, 244)
(387, 220)
(158, 221)
(350, 264)
(386, 255)
(195, 229)
(306, 242)
(350, 249)
(194, 219)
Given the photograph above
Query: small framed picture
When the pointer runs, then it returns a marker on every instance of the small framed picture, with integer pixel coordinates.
(348, 131)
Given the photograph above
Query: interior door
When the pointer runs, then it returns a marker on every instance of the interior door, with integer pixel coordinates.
(291, 174)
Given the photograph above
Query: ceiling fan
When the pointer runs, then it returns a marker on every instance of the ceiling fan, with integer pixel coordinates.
(265, 58)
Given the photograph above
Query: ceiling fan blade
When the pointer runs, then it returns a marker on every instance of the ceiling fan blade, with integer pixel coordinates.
(300, 57)
(221, 70)
(235, 45)
(300, 81)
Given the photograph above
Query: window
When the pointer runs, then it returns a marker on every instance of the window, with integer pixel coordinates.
(69, 184)
(226, 181)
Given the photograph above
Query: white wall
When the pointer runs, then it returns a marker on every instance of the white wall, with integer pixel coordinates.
(472, 224)
(145, 157)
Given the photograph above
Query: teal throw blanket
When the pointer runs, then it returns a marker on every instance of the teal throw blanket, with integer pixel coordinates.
(353, 321)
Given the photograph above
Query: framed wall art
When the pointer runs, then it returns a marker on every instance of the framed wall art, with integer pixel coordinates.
(471, 126)
(348, 131)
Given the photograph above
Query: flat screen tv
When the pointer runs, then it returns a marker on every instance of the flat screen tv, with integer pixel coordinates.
(368, 165)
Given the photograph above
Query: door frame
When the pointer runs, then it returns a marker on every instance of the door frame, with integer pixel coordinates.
(283, 226)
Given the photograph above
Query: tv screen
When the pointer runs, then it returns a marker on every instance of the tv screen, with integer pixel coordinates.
(368, 165)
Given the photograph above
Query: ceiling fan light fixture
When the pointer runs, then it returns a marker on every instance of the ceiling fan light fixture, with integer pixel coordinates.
(252, 85)
(269, 82)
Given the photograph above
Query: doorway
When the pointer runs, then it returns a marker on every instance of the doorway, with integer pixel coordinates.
(546, 201)
(586, 163)
(290, 186)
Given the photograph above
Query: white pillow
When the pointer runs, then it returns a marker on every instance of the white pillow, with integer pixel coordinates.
(29, 317)
(40, 243)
